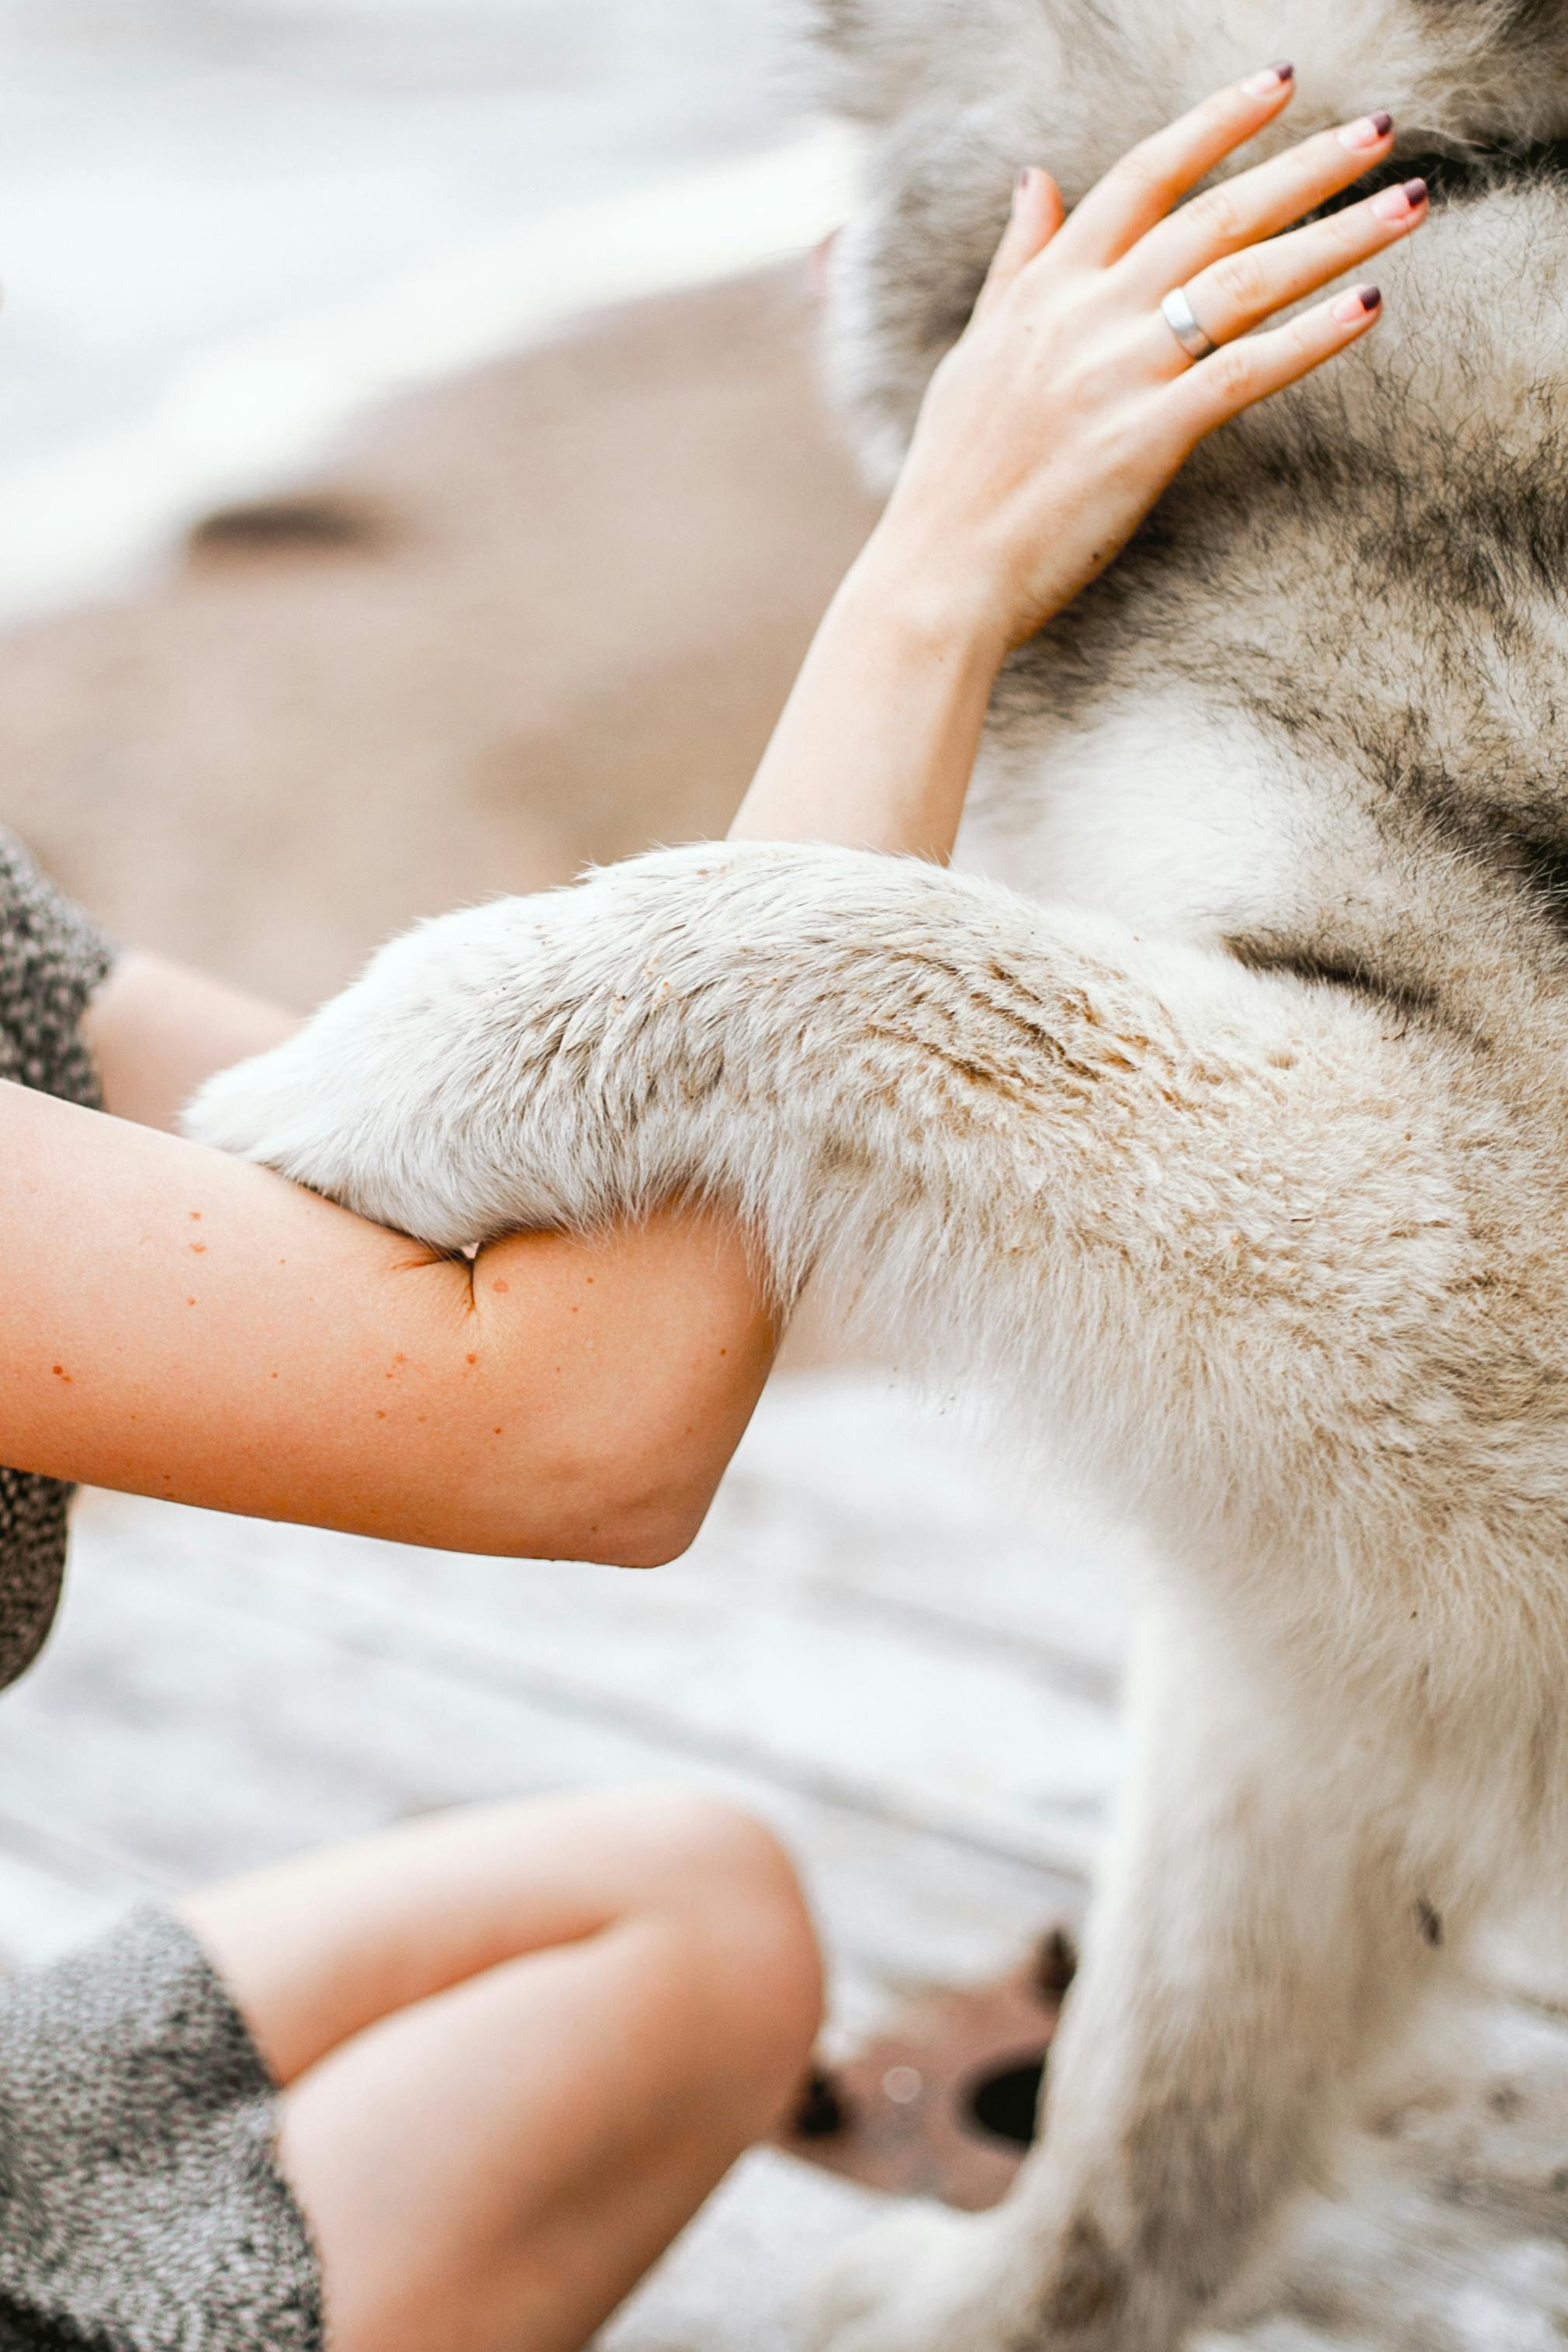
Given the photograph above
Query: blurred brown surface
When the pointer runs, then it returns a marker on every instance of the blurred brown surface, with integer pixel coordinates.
(545, 614)
(943, 2101)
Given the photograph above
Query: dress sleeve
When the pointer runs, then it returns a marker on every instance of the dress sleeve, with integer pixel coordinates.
(53, 960)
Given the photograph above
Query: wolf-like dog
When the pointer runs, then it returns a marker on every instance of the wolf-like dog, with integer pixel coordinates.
(1229, 1144)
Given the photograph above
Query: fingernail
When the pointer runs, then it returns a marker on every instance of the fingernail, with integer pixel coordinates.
(1352, 308)
(1264, 84)
(1025, 176)
(1370, 132)
(1398, 204)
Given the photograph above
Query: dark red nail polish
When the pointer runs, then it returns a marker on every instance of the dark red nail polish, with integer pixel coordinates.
(1284, 70)
(1382, 125)
(1372, 297)
(1415, 194)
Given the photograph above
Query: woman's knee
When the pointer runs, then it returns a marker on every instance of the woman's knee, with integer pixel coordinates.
(744, 1927)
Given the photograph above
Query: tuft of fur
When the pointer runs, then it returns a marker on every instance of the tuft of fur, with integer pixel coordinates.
(1227, 1148)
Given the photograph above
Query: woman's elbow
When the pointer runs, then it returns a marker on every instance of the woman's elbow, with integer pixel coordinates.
(611, 1516)
(613, 1538)
(644, 1517)
(656, 1541)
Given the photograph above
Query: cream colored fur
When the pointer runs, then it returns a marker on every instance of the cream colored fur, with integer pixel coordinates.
(1232, 1149)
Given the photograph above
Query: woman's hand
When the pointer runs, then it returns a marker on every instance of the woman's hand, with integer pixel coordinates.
(1048, 433)
(1065, 410)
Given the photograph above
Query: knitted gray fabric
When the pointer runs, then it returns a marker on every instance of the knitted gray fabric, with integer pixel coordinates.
(51, 960)
(142, 2205)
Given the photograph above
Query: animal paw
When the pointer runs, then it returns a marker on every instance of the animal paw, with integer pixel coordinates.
(724, 1019)
(450, 1092)
(919, 2281)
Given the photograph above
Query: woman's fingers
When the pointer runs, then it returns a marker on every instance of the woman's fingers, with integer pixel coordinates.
(1257, 204)
(1140, 190)
(1219, 388)
(1232, 297)
(1038, 212)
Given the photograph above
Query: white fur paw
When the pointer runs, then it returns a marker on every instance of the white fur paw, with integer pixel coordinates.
(494, 1069)
(913, 2283)
(419, 1098)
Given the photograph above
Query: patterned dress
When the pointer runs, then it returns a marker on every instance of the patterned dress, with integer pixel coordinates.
(141, 2204)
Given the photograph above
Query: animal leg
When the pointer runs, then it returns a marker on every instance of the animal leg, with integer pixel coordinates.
(1209, 1227)
(1260, 1934)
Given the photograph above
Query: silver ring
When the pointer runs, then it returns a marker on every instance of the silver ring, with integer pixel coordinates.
(1185, 327)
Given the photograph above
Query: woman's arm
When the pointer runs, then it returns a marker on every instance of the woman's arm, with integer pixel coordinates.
(1045, 437)
(256, 1350)
(182, 1325)
(155, 1030)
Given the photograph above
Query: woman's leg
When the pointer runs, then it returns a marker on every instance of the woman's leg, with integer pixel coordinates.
(519, 2046)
